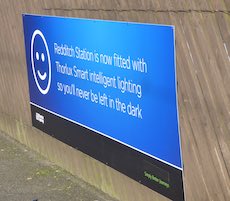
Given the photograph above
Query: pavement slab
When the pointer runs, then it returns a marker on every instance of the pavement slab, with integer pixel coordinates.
(27, 176)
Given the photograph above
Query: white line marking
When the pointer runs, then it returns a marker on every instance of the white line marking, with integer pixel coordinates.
(225, 47)
(222, 171)
(201, 174)
(190, 53)
(188, 46)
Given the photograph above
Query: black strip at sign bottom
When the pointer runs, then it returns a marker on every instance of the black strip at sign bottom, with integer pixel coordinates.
(148, 171)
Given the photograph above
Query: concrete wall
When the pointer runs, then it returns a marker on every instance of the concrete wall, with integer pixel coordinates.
(203, 68)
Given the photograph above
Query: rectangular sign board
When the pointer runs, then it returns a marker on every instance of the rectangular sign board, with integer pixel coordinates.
(108, 89)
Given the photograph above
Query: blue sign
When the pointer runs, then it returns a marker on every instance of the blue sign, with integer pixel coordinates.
(117, 79)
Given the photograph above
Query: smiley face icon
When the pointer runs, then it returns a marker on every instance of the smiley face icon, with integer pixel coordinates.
(40, 61)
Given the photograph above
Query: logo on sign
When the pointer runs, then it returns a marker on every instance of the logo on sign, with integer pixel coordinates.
(40, 61)
(40, 118)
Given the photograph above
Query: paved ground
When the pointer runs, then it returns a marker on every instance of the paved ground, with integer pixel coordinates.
(27, 176)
